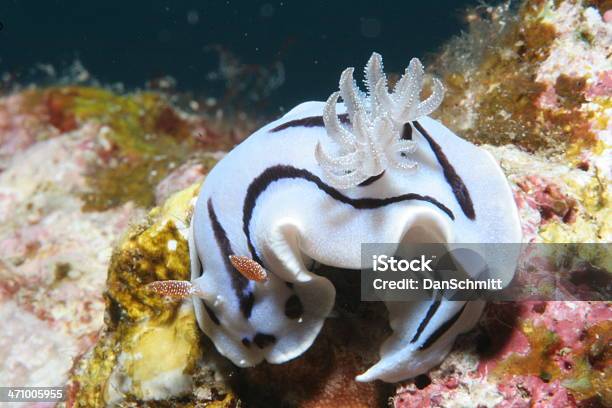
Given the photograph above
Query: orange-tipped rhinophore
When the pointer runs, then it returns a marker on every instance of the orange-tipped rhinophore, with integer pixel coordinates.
(248, 268)
(175, 289)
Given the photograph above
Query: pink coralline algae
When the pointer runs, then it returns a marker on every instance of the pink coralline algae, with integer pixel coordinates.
(21, 126)
(51, 278)
(529, 354)
(545, 196)
(602, 86)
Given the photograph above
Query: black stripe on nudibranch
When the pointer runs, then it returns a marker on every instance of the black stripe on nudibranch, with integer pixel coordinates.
(310, 121)
(247, 300)
(371, 180)
(212, 315)
(430, 312)
(293, 307)
(442, 329)
(279, 172)
(457, 185)
(263, 340)
(240, 284)
(407, 132)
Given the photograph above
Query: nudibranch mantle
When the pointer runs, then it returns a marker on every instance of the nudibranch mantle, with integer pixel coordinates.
(280, 199)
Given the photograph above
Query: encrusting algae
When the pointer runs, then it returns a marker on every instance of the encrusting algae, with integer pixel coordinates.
(500, 92)
(537, 78)
(151, 347)
(145, 138)
(148, 139)
(585, 371)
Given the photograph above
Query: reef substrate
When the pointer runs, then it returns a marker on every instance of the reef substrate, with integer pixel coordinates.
(97, 190)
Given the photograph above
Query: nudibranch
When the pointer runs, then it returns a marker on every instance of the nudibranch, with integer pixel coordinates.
(309, 189)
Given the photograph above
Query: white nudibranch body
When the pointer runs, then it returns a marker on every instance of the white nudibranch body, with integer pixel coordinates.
(314, 185)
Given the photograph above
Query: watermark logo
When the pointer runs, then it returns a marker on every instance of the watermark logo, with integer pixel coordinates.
(499, 272)
(383, 263)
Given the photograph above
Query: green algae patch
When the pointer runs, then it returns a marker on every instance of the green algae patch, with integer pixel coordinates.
(151, 348)
(589, 375)
(592, 377)
(143, 138)
(146, 138)
(89, 379)
(143, 259)
(543, 343)
(133, 118)
(159, 252)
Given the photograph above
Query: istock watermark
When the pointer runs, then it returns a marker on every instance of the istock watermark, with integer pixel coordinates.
(382, 263)
(410, 272)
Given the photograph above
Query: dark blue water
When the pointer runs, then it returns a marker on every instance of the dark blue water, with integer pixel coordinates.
(305, 43)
